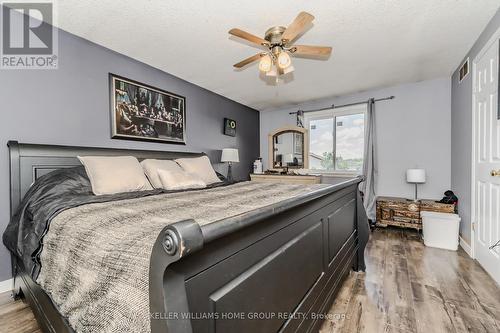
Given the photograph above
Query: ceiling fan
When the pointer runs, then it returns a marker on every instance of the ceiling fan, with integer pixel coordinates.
(278, 40)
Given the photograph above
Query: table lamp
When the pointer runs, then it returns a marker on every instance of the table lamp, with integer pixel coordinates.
(415, 176)
(230, 155)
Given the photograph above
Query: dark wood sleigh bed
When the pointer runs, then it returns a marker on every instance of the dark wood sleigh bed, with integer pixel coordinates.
(274, 269)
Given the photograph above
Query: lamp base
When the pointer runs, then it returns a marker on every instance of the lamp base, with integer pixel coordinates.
(416, 193)
(229, 173)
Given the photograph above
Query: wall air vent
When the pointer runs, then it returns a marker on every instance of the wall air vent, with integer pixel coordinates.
(464, 70)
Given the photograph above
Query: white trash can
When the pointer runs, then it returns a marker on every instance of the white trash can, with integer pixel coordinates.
(440, 230)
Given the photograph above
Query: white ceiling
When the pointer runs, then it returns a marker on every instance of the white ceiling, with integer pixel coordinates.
(375, 43)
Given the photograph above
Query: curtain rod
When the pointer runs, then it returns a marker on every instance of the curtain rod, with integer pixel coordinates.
(333, 106)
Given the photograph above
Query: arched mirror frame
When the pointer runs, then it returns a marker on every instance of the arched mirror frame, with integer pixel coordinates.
(286, 129)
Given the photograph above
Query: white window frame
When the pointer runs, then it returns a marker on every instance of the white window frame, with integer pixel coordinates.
(336, 112)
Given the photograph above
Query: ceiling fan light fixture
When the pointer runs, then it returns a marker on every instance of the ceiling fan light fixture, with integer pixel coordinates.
(279, 43)
(284, 60)
(266, 63)
(272, 72)
(289, 69)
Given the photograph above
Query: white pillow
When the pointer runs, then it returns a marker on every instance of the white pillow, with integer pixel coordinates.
(151, 168)
(115, 174)
(201, 167)
(179, 180)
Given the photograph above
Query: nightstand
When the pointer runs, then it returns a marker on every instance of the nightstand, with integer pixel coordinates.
(290, 179)
(401, 212)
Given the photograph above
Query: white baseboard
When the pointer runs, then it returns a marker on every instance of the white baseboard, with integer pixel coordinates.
(6, 285)
(466, 247)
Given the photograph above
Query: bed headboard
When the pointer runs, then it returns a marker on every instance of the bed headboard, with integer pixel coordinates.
(30, 161)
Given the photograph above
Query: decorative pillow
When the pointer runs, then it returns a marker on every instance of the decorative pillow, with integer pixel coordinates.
(179, 180)
(201, 167)
(151, 168)
(115, 174)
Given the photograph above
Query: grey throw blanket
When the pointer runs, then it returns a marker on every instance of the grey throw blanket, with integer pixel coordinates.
(95, 259)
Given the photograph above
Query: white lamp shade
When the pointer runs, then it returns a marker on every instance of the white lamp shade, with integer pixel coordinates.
(230, 155)
(415, 175)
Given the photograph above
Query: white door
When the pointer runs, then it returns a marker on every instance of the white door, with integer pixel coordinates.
(487, 161)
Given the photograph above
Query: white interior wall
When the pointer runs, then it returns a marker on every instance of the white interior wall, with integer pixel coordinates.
(412, 130)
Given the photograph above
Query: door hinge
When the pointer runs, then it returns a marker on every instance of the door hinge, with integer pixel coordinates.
(473, 226)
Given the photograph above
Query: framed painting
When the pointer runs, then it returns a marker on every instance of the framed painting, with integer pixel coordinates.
(142, 112)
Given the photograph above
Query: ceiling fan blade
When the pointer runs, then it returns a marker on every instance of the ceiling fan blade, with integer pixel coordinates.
(248, 36)
(298, 25)
(308, 50)
(248, 60)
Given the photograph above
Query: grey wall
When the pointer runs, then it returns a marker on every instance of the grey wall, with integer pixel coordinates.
(412, 130)
(70, 106)
(461, 131)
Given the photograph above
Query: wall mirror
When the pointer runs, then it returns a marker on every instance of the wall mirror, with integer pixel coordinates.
(288, 148)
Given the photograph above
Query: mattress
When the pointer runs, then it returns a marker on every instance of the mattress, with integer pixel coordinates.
(95, 256)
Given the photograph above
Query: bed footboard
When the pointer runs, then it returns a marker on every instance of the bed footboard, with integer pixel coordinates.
(173, 243)
(280, 274)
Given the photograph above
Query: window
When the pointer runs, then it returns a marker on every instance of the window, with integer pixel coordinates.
(336, 139)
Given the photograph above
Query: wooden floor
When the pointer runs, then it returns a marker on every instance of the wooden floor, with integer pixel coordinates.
(16, 317)
(406, 288)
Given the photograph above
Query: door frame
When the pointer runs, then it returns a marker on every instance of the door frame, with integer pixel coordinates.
(495, 37)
